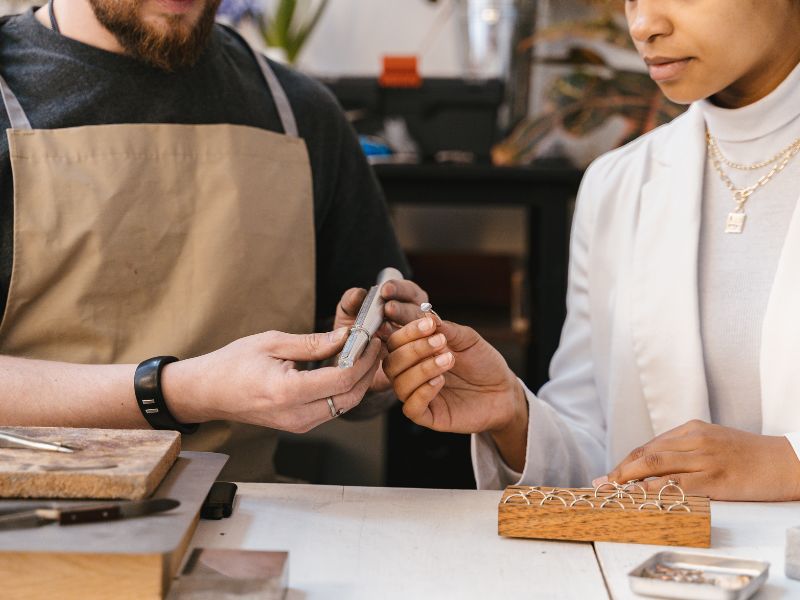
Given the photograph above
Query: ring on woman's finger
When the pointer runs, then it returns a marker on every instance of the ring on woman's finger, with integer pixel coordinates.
(334, 411)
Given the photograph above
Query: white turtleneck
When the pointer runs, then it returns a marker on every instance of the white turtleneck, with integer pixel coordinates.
(736, 271)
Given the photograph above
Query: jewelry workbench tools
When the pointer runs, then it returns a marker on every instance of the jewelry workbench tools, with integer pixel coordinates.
(611, 512)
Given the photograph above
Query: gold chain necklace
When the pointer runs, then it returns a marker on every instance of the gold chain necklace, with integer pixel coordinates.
(741, 166)
(737, 218)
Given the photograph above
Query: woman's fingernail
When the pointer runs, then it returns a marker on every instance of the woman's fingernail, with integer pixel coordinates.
(437, 341)
(436, 380)
(600, 481)
(425, 324)
(444, 359)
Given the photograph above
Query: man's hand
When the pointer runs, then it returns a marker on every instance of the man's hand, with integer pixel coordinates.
(715, 461)
(402, 298)
(450, 379)
(254, 380)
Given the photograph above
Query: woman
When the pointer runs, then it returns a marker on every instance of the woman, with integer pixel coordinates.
(680, 355)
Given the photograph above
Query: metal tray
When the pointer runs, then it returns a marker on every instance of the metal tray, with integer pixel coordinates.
(720, 574)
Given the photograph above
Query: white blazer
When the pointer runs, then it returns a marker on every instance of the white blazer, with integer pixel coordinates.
(630, 365)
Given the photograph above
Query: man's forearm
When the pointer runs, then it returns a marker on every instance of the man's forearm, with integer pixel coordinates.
(44, 393)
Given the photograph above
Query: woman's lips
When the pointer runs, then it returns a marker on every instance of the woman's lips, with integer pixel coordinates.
(664, 69)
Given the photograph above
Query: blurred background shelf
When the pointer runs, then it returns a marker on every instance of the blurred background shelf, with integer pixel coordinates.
(515, 298)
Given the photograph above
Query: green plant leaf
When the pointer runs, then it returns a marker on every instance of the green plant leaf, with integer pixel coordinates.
(279, 26)
(299, 39)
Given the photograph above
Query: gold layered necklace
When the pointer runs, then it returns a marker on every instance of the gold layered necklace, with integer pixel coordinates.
(736, 219)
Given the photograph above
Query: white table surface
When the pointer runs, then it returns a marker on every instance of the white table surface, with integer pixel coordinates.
(744, 530)
(380, 543)
(354, 543)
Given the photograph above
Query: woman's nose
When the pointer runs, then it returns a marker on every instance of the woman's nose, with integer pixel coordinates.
(647, 20)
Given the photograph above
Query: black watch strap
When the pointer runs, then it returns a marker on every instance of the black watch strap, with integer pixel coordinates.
(147, 386)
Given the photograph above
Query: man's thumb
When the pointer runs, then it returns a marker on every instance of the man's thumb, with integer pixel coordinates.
(313, 346)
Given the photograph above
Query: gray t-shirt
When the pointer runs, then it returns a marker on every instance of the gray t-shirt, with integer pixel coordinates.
(61, 82)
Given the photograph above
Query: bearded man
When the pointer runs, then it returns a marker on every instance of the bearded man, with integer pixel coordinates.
(168, 193)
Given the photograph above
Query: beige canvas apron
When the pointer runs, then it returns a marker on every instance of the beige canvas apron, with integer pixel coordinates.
(132, 241)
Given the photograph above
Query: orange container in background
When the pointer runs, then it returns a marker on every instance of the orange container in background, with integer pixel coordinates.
(400, 72)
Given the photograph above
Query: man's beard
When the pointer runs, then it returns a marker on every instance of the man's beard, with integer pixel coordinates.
(170, 47)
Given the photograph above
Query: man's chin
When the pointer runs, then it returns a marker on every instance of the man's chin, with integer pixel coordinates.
(169, 27)
(162, 39)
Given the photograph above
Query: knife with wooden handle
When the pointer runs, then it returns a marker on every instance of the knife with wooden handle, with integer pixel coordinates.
(90, 513)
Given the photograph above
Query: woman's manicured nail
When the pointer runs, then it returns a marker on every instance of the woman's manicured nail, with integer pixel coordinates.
(437, 341)
(436, 380)
(600, 481)
(426, 324)
(444, 359)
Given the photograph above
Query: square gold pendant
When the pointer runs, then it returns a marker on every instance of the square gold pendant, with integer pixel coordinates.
(735, 222)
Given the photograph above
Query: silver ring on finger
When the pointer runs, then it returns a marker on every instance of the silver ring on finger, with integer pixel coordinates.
(335, 412)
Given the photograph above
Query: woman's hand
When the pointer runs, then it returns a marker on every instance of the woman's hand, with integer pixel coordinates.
(450, 379)
(403, 299)
(254, 380)
(715, 461)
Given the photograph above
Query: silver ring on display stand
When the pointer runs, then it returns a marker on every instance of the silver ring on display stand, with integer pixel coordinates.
(518, 494)
(612, 501)
(634, 483)
(582, 498)
(682, 505)
(536, 490)
(671, 483)
(613, 485)
(559, 492)
(549, 497)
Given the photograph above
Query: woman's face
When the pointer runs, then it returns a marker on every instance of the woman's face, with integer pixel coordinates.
(733, 51)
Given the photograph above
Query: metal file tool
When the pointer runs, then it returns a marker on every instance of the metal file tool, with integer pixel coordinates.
(369, 320)
(12, 440)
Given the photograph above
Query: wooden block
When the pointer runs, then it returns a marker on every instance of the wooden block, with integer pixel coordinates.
(107, 463)
(554, 521)
(128, 559)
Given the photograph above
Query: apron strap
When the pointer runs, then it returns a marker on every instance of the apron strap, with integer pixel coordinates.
(16, 115)
(279, 97)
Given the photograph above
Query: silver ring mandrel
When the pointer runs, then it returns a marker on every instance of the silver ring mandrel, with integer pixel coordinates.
(369, 319)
